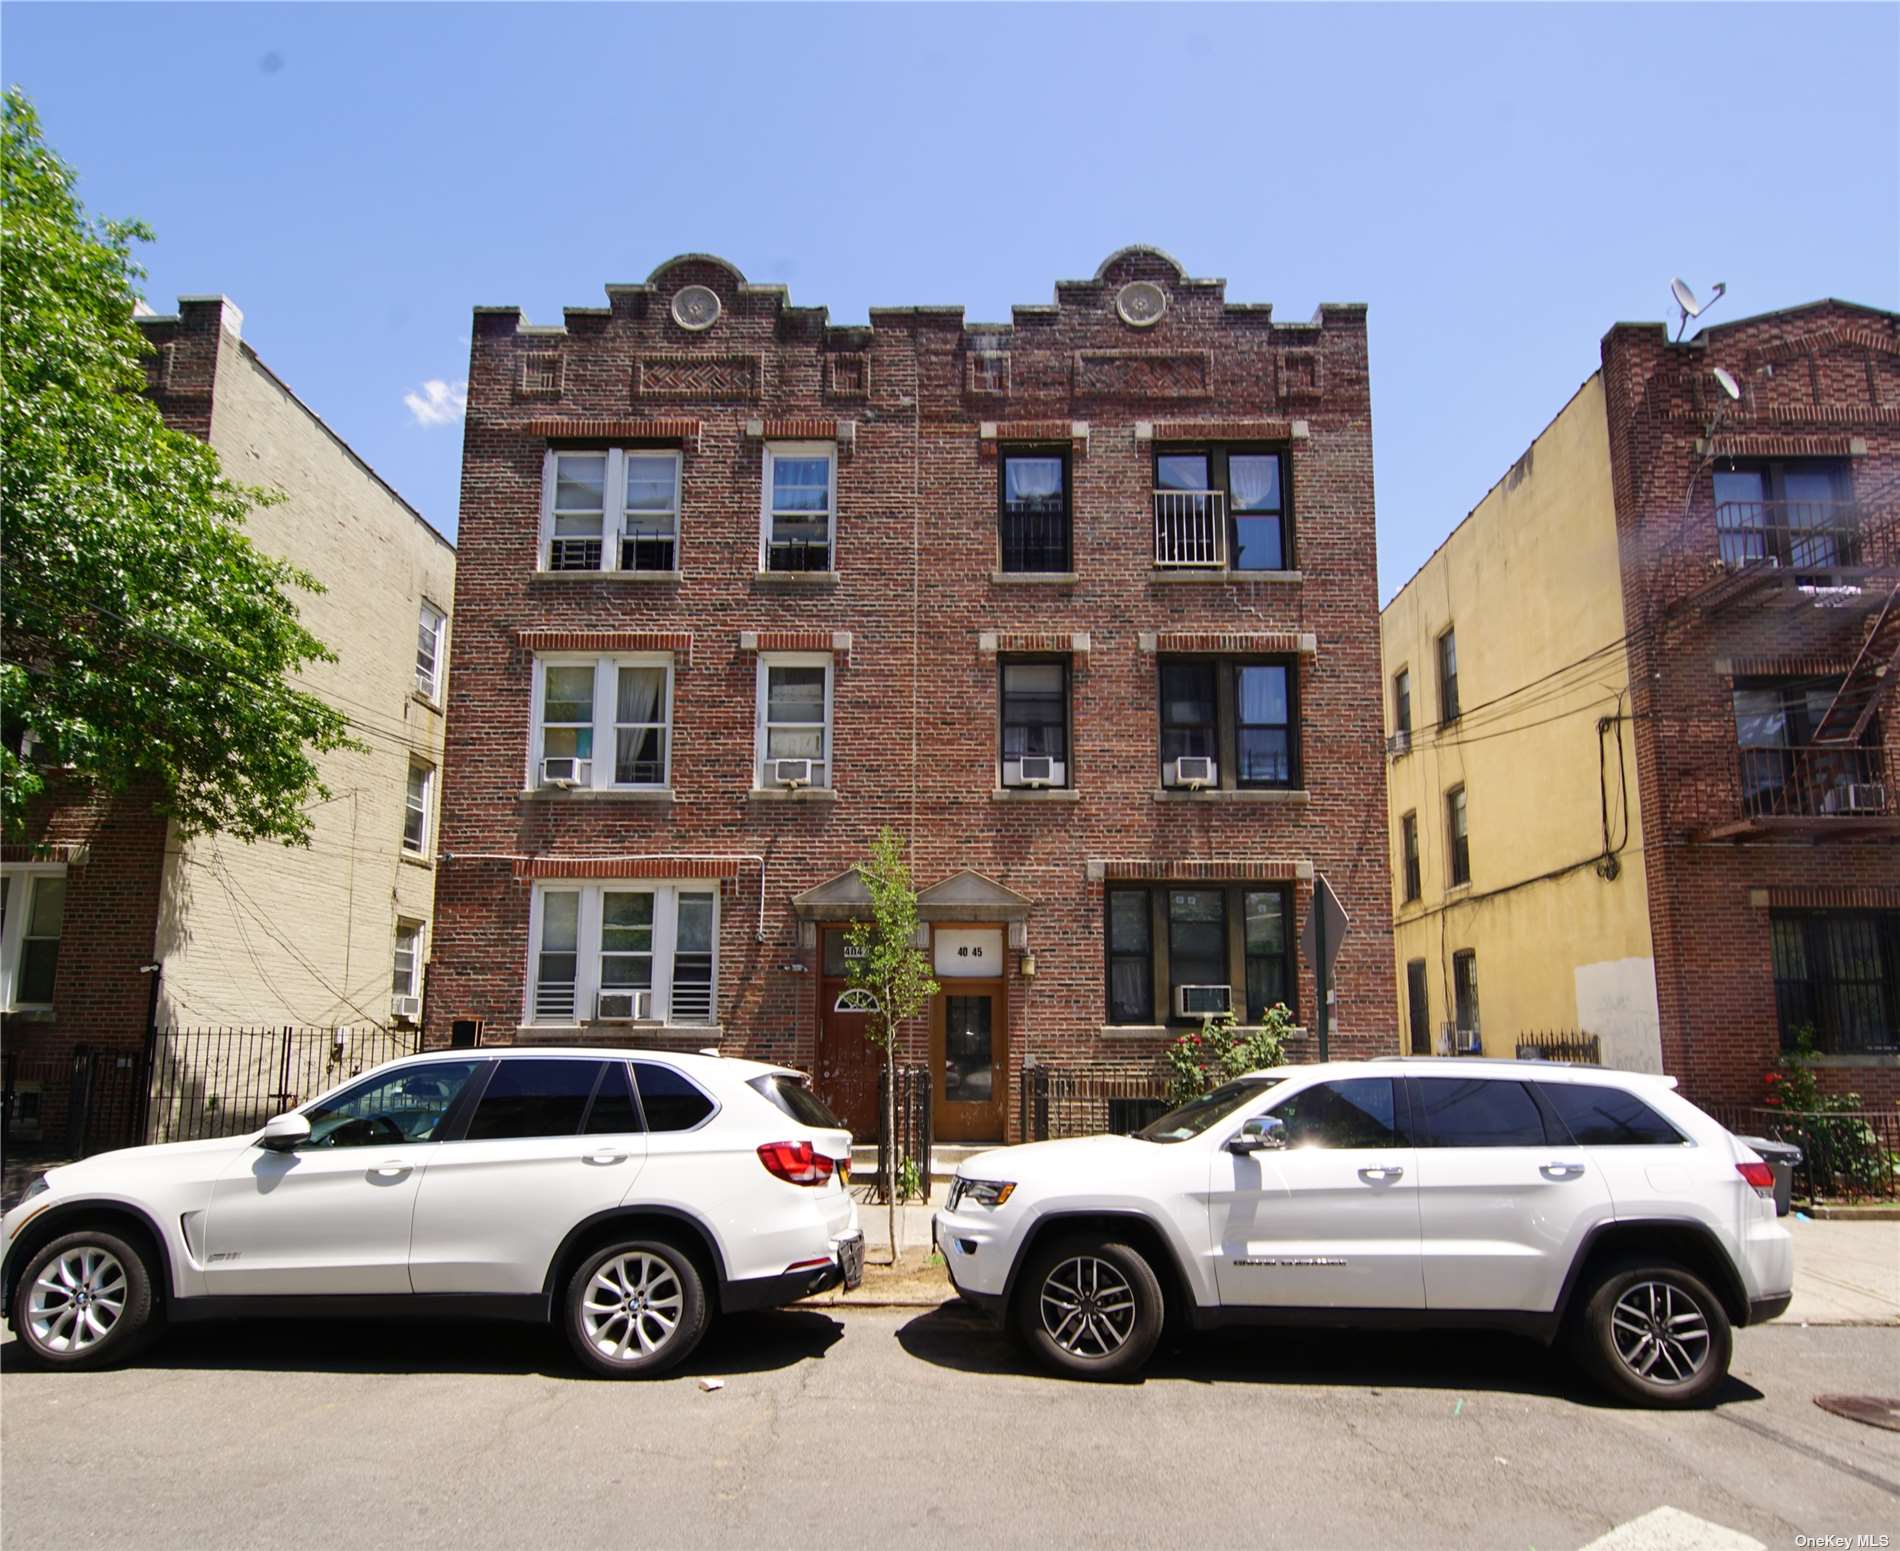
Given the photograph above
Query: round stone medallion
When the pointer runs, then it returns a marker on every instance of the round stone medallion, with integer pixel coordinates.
(695, 307)
(1141, 303)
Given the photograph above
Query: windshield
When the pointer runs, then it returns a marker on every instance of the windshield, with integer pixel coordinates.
(1210, 1109)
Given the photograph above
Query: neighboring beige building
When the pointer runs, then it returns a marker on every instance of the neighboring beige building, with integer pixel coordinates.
(336, 934)
(1517, 849)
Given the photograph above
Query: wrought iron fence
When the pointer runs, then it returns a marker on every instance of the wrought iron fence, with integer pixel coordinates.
(1560, 1045)
(72, 1103)
(226, 1081)
(1845, 1155)
(909, 1140)
(1089, 1101)
(1815, 535)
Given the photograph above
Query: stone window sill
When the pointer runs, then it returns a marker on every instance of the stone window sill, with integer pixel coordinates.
(1878, 1060)
(588, 793)
(1174, 1030)
(1295, 797)
(1035, 794)
(793, 794)
(423, 700)
(1033, 578)
(819, 580)
(1458, 890)
(410, 859)
(30, 1015)
(658, 577)
(1190, 575)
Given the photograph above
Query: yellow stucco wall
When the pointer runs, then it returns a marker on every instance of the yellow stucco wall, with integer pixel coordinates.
(1530, 583)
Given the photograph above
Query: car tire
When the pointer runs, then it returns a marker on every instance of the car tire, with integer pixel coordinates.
(84, 1300)
(1655, 1334)
(1090, 1308)
(635, 1309)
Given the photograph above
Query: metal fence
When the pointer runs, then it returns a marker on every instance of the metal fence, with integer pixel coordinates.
(70, 1104)
(913, 1135)
(226, 1081)
(1089, 1101)
(1560, 1045)
(1847, 1155)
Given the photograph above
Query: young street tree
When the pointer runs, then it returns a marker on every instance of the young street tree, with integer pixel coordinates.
(885, 962)
(148, 644)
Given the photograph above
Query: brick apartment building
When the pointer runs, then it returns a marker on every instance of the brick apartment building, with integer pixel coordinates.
(325, 936)
(1642, 738)
(738, 587)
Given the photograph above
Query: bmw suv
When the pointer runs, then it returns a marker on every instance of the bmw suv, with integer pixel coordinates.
(1594, 1206)
(627, 1197)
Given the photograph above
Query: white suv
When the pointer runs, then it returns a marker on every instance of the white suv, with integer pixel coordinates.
(627, 1196)
(1546, 1199)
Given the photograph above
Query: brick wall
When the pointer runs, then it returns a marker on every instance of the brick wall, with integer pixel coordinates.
(916, 694)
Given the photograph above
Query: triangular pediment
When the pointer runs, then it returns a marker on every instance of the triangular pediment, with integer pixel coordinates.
(843, 898)
(969, 896)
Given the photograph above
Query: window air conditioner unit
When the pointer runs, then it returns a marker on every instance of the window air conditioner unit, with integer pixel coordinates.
(1856, 797)
(623, 1006)
(567, 772)
(405, 1009)
(1203, 1001)
(1193, 772)
(792, 772)
(1033, 770)
(1399, 743)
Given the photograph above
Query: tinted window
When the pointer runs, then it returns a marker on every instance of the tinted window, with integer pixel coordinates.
(405, 1105)
(1195, 1116)
(671, 1102)
(798, 1101)
(1478, 1112)
(1608, 1117)
(534, 1098)
(613, 1110)
(1354, 1112)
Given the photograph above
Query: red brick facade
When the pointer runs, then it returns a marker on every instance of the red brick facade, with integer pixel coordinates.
(916, 617)
(1817, 382)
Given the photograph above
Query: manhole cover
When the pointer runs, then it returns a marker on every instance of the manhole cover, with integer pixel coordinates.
(1874, 1410)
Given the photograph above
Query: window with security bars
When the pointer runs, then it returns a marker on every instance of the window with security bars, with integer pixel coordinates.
(613, 510)
(1035, 722)
(1033, 520)
(617, 949)
(799, 507)
(1837, 976)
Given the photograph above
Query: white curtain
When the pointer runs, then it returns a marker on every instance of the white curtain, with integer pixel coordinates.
(1255, 483)
(1033, 481)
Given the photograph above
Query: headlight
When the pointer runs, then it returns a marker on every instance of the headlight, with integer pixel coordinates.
(39, 1187)
(985, 1192)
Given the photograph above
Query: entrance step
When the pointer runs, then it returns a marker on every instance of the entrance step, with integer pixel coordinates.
(944, 1158)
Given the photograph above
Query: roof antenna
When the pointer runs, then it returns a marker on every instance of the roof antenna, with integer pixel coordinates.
(1691, 308)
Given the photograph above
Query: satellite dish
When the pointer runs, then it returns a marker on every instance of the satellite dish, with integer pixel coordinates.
(1728, 384)
(1685, 298)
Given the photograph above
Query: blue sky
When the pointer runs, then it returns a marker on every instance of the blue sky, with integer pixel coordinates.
(1500, 183)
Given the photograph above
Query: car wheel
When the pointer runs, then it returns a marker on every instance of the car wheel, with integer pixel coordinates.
(84, 1301)
(1654, 1334)
(1090, 1309)
(635, 1309)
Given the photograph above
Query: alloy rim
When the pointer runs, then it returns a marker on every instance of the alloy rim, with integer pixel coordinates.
(1088, 1307)
(632, 1306)
(77, 1300)
(1660, 1332)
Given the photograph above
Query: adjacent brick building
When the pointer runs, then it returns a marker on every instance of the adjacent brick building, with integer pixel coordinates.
(982, 577)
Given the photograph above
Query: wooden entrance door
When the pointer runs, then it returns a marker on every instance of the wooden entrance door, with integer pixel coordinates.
(969, 1056)
(847, 1064)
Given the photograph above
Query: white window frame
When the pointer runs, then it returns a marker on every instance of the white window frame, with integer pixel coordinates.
(421, 848)
(22, 878)
(768, 661)
(773, 452)
(420, 928)
(430, 621)
(613, 500)
(606, 668)
(666, 895)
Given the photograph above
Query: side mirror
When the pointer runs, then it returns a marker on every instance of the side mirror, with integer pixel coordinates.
(284, 1133)
(1263, 1133)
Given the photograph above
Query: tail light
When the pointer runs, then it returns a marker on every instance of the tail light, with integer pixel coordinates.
(797, 1163)
(1759, 1175)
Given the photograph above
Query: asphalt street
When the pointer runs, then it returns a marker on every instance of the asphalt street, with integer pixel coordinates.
(920, 1428)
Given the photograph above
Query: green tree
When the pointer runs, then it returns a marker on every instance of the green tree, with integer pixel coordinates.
(886, 963)
(147, 642)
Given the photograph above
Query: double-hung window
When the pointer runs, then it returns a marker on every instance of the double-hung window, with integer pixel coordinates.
(1033, 523)
(1402, 710)
(1448, 678)
(1408, 844)
(794, 721)
(623, 951)
(612, 510)
(1464, 994)
(1458, 837)
(1240, 717)
(629, 699)
(1263, 724)
(1162, 939)
(800, 494)
(415, 814)
(407, 977)
(32, 920)
(1035, 724)
(429, 623)
(1221, 507)
(1189, 718)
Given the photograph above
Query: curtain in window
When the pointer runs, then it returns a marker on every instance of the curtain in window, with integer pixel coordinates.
(1033, 483)
(640, 754)
(1254, 482)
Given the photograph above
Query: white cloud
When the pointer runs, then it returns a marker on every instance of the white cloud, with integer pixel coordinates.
(439, 402)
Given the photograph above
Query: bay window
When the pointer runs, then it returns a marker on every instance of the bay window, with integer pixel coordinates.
(798, 507)
(623, 950)
(611, 510)
(628, 697)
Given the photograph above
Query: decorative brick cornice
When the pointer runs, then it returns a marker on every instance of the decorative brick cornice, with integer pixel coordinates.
(547, 638)
(560, 428)
(1215, 869)
(1817, 340)
(1770, 446)
(1812, 666)
(795, 641)
(1268, 642)
(1820, 897)
(1217, 431)
(990, 642)
(626, 867)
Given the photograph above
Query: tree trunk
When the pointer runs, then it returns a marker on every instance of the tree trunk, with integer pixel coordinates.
(890, 1130)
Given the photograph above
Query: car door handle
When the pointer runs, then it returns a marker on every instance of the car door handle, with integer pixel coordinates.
(391, 1168)
(605, 1156)
(1561, 1170)
(1383, 1171)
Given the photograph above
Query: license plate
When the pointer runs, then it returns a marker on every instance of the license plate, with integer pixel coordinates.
(851, 1259)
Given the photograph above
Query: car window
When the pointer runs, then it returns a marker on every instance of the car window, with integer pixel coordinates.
(1478, 1112)
(613, 1112)
(537, 1096)
(1351, 1112)
(670, 1102)
(390, 1109)
(1600, 1116)
(789, 1094)
(1207, 1109)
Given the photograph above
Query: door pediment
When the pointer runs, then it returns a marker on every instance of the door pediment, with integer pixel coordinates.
(969, 896)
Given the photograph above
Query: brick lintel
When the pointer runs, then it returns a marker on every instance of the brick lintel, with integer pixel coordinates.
(1303, 642)
(1816, 896)
(795, 641)
(527, 868)
(545, 638)
(560, 428)
(1207, 870)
